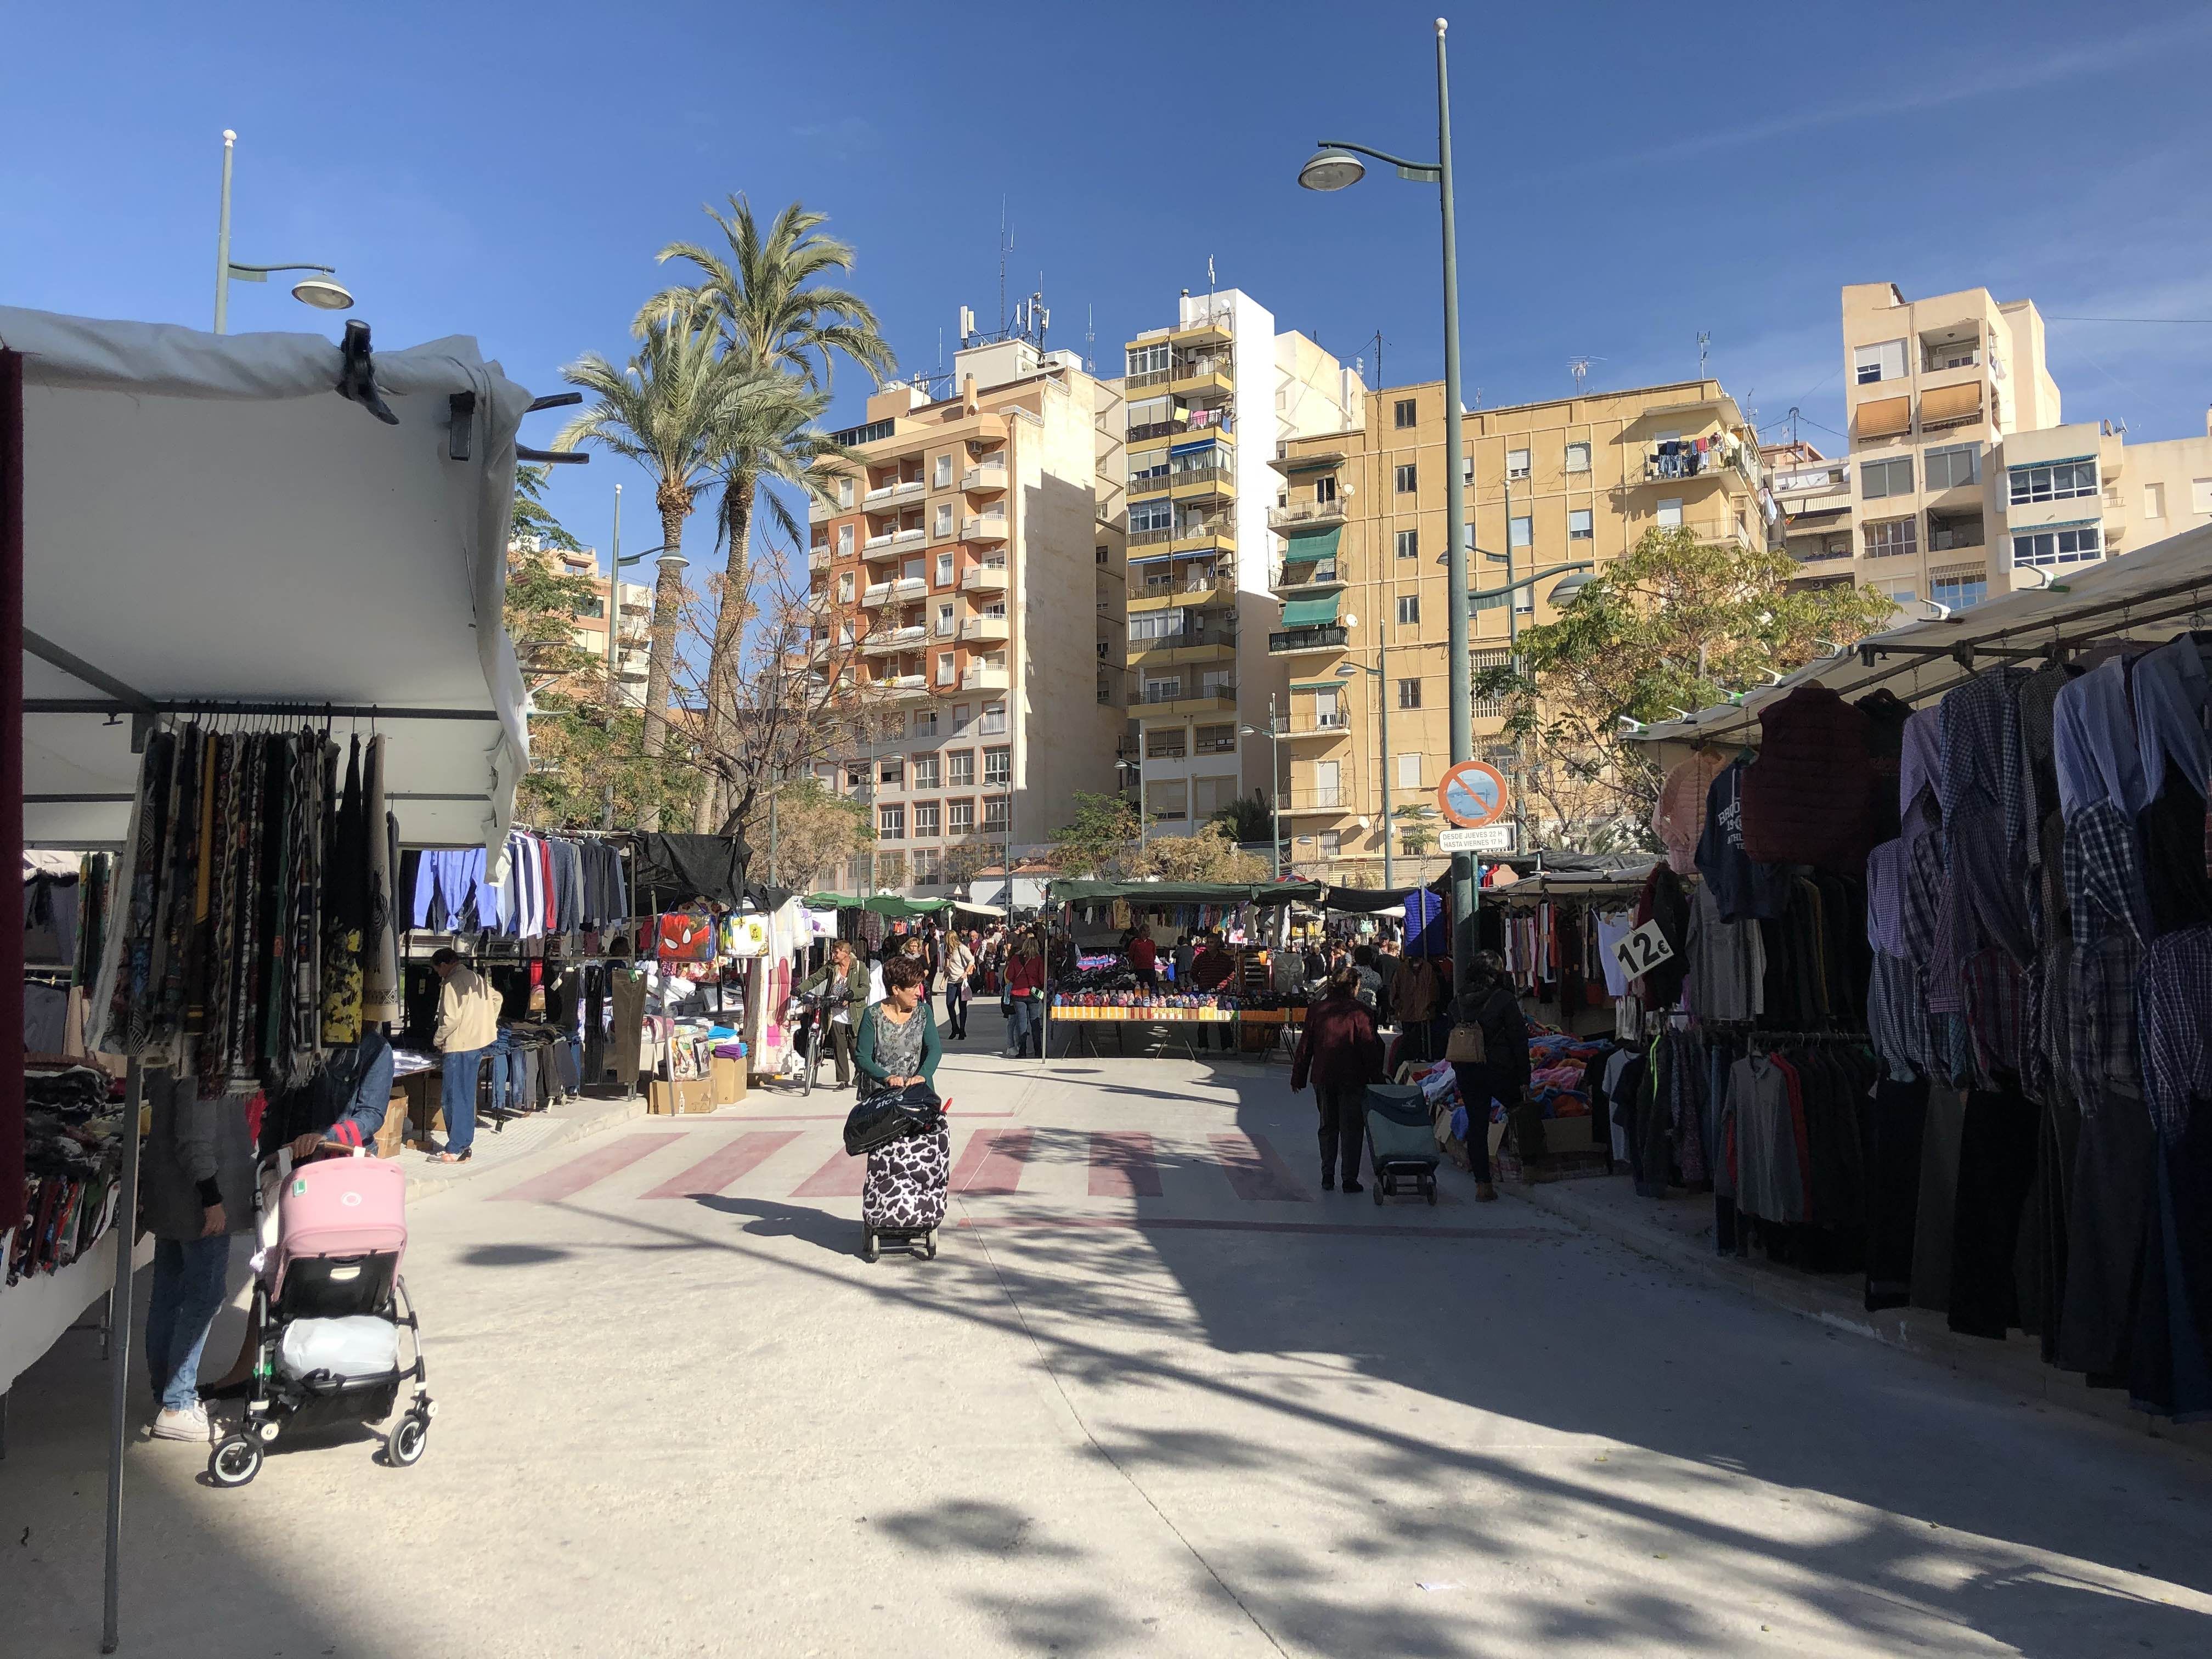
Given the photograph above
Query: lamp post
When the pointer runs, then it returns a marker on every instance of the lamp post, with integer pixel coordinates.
(320, 289)
(1574, 578)
(1344, 671)
(1335, 167)
(614, 564)
(1275, 737)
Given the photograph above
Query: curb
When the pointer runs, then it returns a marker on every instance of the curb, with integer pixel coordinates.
(425, 1179)
(2014, 1366)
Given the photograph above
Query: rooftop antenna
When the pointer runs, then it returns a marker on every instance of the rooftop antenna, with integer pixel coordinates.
(1704, 342)
(1006, 246)
(1580, 367)
(1089, 339)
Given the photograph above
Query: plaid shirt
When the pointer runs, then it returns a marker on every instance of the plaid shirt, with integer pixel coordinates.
(2177, 1027)
(2102, 866)
(1997, 1015)
(1896, 1019)
(1980, 727)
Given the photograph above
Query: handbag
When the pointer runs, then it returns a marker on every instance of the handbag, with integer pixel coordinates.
(1464, 1047)
(891, 1115)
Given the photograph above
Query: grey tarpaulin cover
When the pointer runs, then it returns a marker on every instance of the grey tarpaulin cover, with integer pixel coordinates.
(670, 870)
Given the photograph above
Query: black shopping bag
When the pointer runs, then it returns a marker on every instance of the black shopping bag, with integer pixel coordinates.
(891, 1114)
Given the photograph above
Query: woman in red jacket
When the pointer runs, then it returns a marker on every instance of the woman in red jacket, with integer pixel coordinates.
(1340, 1051)
(1025, 986)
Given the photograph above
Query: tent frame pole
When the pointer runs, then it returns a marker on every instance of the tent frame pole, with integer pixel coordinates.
(119, 1330)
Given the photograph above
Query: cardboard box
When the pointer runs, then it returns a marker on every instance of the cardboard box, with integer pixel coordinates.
(682, 1098)
(729, 1081)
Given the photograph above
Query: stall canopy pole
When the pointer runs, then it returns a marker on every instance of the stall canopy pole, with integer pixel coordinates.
(11, 757)
(118, 1335)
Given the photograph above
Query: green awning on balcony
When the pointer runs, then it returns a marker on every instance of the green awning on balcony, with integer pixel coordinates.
(1312, 544)
(1316, 685)
(1311, 613)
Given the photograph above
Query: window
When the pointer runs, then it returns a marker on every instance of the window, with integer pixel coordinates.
(1157, 624)
(845, 588)
(924, 819)
(947, 673)
(1166, 688)
(928, 862)
(1488, 708)
(1467, 469)
(1409, 771)
(1164, 742)
(960, 769)
(2154, 500)
(1578, 525)
(1884, 361)
(1880, 478)
(2060, 481)
(1328, 709)
(944, 570)
(1325, 490)
(856, 776)
(925, 725)
(1401, 413)
(891, 728)
(1149, 359)
(993, 720)
(1670, 512)
(1332, 843)
(1953, 465)
(1578, 458)
(891, 771)
(1888, 538)
(1959, 593)
(1409, 544)
(1409, 694)
(1517, 463)
(944, 623)
(912, 568)
(2200, 495)
(2084, 545)
(1407, 476)
(1524, 599)
(1152, 515)
(942, 526)
(1409, 608)
(924, 771)
(960, 817)
(1215, 741)
(997, 765)
(844, 541)
(844, 492)
(1324, 785)
(940, 473)
(1903, 596)
(1210, 795)
(1520, 531)
(891, 823)
(996, 816)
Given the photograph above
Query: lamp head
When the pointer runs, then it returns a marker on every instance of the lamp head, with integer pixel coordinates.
(1344, 671)
(1332, 169)
(322, 290)
(1566, 588)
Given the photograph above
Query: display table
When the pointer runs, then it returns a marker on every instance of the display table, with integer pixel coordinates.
(1120, 1019)
(37, 1309)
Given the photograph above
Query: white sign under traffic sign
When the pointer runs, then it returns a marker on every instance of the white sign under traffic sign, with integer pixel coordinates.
(1492, 838)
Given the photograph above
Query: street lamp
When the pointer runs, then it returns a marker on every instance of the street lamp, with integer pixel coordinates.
(1274, 782)
(1125, 767)
(319, 289)
(1344, 671)
(1335, 167)
(1575, 578)
(614, 564)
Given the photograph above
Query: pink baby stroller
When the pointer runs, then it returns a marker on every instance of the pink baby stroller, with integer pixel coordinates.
(329, 1306)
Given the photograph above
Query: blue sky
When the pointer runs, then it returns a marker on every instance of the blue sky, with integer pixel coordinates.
(1630, 175)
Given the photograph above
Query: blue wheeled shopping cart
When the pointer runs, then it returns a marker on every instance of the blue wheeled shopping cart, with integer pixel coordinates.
(1401, 1143)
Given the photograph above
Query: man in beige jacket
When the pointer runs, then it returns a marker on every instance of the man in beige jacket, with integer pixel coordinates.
(468, 1026)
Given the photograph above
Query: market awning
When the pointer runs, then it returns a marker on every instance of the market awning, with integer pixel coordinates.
(1310, 613)
(884, 905)
(205, 522)
(1311, 544)
(1183, 892)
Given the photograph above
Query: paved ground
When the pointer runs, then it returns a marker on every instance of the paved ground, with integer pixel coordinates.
(1157, 1395)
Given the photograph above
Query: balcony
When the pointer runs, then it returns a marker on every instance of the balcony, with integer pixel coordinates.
(1295, 801)
(1299, 641)
(1200, 701)
(1306, 515)
(880, 493)
(984, 679)
(983, 527)
(1194, 483)
(818, 558)
(907, 487)
(1203, 375)
(985, 479)
(1328, 455)
(897, 639)
(1151, 538)
(875, 543)
(1199, 587)
(1150, 483)
(1307, 576)
(985, 628)
(983, 577)
(1135, 383)
(901, 688)
(1193, 645)
(1172, 427)
(1320, 726)
(1215, 535)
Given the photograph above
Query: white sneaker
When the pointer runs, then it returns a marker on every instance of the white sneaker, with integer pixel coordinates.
(190, 1424)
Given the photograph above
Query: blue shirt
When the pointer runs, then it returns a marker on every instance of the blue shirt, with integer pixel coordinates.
(2170, 685)
(2094, 744)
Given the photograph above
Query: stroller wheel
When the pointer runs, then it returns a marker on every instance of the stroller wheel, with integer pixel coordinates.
(235, 1461)
(871, 1248)
(1432, 1193)
(929, 1244)
(1380, 1181)
(403, 1445)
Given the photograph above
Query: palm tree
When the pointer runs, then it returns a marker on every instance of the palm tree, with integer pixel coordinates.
(670, 410)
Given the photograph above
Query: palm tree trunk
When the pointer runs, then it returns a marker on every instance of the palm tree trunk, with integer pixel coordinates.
(722, 667)
(660, 665)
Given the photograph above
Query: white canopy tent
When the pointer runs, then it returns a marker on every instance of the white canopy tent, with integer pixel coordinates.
(2151, 595)
(206, 527)
(205, 522)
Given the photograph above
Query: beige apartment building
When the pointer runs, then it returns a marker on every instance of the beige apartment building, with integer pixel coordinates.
(1359, 517)
(634, 641)
(962, 562)
(1964, 477)
(1186, 447)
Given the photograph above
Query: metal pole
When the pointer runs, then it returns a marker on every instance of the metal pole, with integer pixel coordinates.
(118, 1380)
(614, 615)
(222, 238)
(1275, 788)
(1464, 891)
(1512, 594)
(1382, 692)
(772, 793)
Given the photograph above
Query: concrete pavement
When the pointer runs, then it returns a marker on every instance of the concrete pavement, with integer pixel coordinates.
(1157, 1395)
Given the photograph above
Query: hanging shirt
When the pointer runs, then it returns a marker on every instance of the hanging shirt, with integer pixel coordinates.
(2095, 745)
(2170, 684)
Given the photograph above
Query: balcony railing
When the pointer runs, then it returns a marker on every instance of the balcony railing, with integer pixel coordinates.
(1150, 483)
(1176, 692)
(984, 527)
(1320, 725)
(1189, 476)
(1309, 573)
(1189, 638)
(1201, 368)
(1151, 538)
(982, 575)
(984, 628)
(880, 493)
(986, 477)
(1165, 429)
(1307, 639)
(1299, 512)
(1203, 581)
(983, 679)
(817, 558)
(1146, 382)
(1337, 800)
(909, 487)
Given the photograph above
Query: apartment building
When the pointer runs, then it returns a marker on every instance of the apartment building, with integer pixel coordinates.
(634, 627)
(1965, 477)
(1360, 518)
(961, 560)
(1203, 409)
(1814, 492)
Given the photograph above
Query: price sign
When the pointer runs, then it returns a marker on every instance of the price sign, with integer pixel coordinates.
(1492, 838)
(1642, 951)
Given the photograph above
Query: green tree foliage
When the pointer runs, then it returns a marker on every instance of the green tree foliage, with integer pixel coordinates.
(1675, 624)
(817, 829)
(1104, 827)
(1248, 820)
(1209, 856)
(532, 521)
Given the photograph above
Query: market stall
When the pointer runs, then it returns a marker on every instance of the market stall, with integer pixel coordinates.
(264, 558)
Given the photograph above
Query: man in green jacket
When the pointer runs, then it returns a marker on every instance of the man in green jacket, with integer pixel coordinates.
(843, 982)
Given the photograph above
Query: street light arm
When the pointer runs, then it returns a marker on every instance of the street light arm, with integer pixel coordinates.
(1427, 173)
(240, 273)
(1526, 581)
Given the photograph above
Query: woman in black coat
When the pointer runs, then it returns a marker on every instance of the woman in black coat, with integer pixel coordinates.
(1491, 1003)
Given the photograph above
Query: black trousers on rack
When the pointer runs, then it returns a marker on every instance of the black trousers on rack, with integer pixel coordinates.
(1996, 1167)
(1891, 1125)
(2113, 1202)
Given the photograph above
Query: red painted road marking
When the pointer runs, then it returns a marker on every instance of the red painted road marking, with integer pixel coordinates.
(992, 1162)
(579, 1173)
(1122, 1165)
(843, 1176)
(1256, 1169)
(723, 1168)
